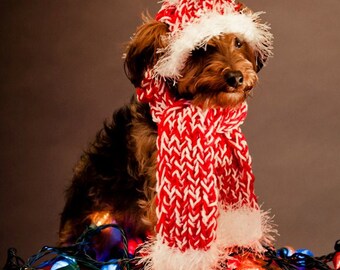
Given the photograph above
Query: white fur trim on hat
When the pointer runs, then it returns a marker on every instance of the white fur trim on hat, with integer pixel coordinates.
(196, 34)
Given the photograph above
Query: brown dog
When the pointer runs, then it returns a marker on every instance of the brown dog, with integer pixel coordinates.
(114, 181)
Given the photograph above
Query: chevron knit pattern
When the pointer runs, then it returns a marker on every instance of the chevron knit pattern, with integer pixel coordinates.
(178, 14)
(203, 162)
(204, 177)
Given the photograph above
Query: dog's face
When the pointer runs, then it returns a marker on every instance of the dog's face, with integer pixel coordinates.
(222, 74)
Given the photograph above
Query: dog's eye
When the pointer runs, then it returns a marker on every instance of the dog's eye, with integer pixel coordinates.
(238, 43)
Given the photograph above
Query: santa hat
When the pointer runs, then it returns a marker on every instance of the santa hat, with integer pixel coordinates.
(192, 23)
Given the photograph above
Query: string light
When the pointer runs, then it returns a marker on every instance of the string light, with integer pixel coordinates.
(70, 257)
(74, 256)
(68, 262)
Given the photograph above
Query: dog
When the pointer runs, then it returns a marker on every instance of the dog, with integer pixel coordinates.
(114, 180)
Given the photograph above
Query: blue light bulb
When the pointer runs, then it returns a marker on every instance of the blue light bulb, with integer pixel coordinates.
(112, 266)
(305, 251)
(65, 262)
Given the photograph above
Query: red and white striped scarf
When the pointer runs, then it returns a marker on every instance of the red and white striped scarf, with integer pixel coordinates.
(205, 184)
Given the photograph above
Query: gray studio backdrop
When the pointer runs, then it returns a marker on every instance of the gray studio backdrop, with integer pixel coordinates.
(61, 75)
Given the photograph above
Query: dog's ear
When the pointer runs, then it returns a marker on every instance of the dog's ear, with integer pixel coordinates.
(142, 50)
(259, 64)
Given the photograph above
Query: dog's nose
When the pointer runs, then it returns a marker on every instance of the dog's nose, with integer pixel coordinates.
(234, 78)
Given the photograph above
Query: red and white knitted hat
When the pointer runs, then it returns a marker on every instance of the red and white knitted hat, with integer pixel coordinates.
(192, 23)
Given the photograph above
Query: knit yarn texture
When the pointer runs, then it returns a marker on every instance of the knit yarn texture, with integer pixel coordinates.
(205, 184)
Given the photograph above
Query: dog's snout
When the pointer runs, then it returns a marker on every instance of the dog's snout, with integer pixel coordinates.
(234, 78)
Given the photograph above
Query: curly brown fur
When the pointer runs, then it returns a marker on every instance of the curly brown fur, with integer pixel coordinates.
(219, 75)
(117, 174)
(111, 174)
(142, 50)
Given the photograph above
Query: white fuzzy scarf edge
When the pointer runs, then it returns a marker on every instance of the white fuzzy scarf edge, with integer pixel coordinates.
(243, 227)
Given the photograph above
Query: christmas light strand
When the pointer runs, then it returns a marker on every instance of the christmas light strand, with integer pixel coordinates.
(78, 255)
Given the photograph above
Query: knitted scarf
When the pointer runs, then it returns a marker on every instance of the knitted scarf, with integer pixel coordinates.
(205, 185)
